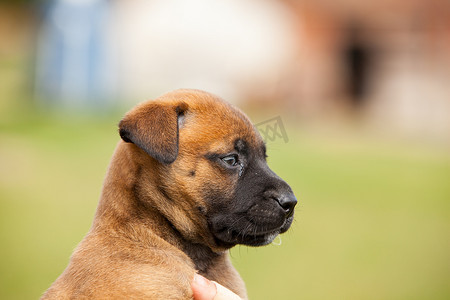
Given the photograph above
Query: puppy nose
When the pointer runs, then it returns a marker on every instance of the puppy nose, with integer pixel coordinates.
(287, 202)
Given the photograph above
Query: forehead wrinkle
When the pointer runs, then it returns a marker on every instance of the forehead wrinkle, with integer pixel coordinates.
(219, 138)
(213, 123)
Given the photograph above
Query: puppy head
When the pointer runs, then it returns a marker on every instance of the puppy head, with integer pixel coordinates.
(214, 171)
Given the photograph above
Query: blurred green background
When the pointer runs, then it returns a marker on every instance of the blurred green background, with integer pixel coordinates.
(373, 220)
(361, 89)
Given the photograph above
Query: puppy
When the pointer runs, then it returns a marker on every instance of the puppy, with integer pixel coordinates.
(188, 181)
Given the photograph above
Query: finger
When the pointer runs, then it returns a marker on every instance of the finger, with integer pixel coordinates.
(225, 294)
(203, 289)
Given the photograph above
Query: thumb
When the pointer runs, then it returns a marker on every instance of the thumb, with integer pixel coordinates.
(225, 294)
(204, 289)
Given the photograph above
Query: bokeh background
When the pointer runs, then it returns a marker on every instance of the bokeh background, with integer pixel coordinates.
(362, 89)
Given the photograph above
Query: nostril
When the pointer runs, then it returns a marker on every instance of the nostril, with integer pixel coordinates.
(287, 202)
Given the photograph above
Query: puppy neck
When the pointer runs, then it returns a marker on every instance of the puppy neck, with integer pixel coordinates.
(134, 206)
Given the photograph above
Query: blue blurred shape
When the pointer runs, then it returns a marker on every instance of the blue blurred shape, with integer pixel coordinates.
(74, 63)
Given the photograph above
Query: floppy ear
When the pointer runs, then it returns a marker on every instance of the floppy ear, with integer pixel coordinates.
(153, 127)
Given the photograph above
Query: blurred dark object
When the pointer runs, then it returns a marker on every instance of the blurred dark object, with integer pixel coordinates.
(357, 59)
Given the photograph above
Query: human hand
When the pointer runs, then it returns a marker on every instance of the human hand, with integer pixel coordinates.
(205, 289)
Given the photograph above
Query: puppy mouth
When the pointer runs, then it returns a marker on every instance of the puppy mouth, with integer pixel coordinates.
(250, 234)
(260, 240)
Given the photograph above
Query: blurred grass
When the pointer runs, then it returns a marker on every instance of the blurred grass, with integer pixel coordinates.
(373, 220)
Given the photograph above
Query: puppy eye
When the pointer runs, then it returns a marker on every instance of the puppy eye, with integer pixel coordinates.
(231, 160)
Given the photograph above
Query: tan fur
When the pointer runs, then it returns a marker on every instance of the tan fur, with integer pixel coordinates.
(149, 210)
